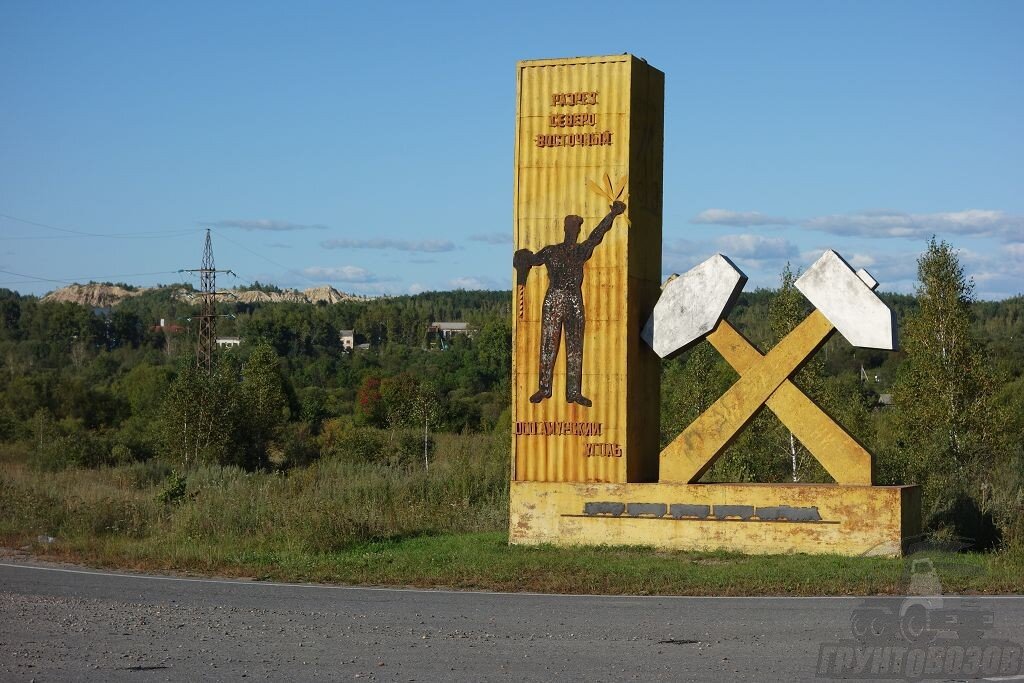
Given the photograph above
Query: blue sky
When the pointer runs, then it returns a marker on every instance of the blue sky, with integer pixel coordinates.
(369, 145)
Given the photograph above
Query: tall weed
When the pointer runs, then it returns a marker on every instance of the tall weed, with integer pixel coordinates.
(352, 497)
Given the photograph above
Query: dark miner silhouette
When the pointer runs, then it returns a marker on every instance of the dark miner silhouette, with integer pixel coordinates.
(563, 302)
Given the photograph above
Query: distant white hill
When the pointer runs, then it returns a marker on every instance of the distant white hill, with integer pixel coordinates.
(105, 295)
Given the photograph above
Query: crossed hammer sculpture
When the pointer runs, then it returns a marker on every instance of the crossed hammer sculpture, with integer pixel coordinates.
(694, 306)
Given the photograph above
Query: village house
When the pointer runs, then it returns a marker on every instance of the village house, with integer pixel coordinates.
(448, 330)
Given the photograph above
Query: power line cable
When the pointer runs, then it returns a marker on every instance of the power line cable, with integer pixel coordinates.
(153, 234)
(26, 238)
(242, 246)
(35, 278)
(145, 234)
(294, 271)
(244, 279)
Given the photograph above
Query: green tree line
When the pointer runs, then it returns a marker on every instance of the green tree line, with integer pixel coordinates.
(81, 388)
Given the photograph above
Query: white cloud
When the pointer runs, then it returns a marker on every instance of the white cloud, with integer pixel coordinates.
(755, 247)
(682, 246)
(856, 259)
(895, 271)
(471, 282)
(1015, 251)
(416, 288)
(388, 243)
(264, 224)
(737, 219)
(680, 255)
(995, 263)
(996, 275)
(898, 224)
(352, 274)
(381, 289)
(492, 238)
(883, 223)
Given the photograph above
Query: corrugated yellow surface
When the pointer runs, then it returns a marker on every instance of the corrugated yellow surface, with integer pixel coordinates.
(620, 280)
(855, 520)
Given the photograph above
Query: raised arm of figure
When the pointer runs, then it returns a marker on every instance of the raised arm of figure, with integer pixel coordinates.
(598, 233)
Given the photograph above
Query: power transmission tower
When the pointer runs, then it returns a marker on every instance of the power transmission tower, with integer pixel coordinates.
(207, 338)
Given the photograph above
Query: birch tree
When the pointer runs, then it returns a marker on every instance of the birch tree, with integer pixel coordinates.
(949, 431)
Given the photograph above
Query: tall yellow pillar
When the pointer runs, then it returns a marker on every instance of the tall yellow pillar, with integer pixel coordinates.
(588, 159)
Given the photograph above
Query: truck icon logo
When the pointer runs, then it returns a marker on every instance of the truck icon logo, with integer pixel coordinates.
(922, 615)
(924, 634)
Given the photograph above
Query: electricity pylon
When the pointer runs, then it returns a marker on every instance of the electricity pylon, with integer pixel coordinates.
(206, 341)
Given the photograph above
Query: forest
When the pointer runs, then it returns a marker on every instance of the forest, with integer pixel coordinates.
(104, 389)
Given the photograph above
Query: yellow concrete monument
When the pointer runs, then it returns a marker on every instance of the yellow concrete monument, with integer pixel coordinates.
(590, 323)
(587, 218)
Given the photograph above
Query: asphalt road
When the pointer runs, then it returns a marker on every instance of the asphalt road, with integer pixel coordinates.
(68, 624)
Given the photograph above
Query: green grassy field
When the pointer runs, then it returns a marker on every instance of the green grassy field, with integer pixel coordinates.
(372, 524)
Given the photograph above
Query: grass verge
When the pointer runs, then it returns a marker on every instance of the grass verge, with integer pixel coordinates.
(485, 561)
(374, 524)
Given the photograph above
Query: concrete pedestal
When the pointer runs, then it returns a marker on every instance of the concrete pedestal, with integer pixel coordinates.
(749, 518)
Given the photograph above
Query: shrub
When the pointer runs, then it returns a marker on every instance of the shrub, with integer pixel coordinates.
(173, 489)
(298, 446)
(71, 445)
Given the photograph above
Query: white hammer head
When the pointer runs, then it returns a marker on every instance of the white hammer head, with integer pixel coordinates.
(692, 304)
(846, 298)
